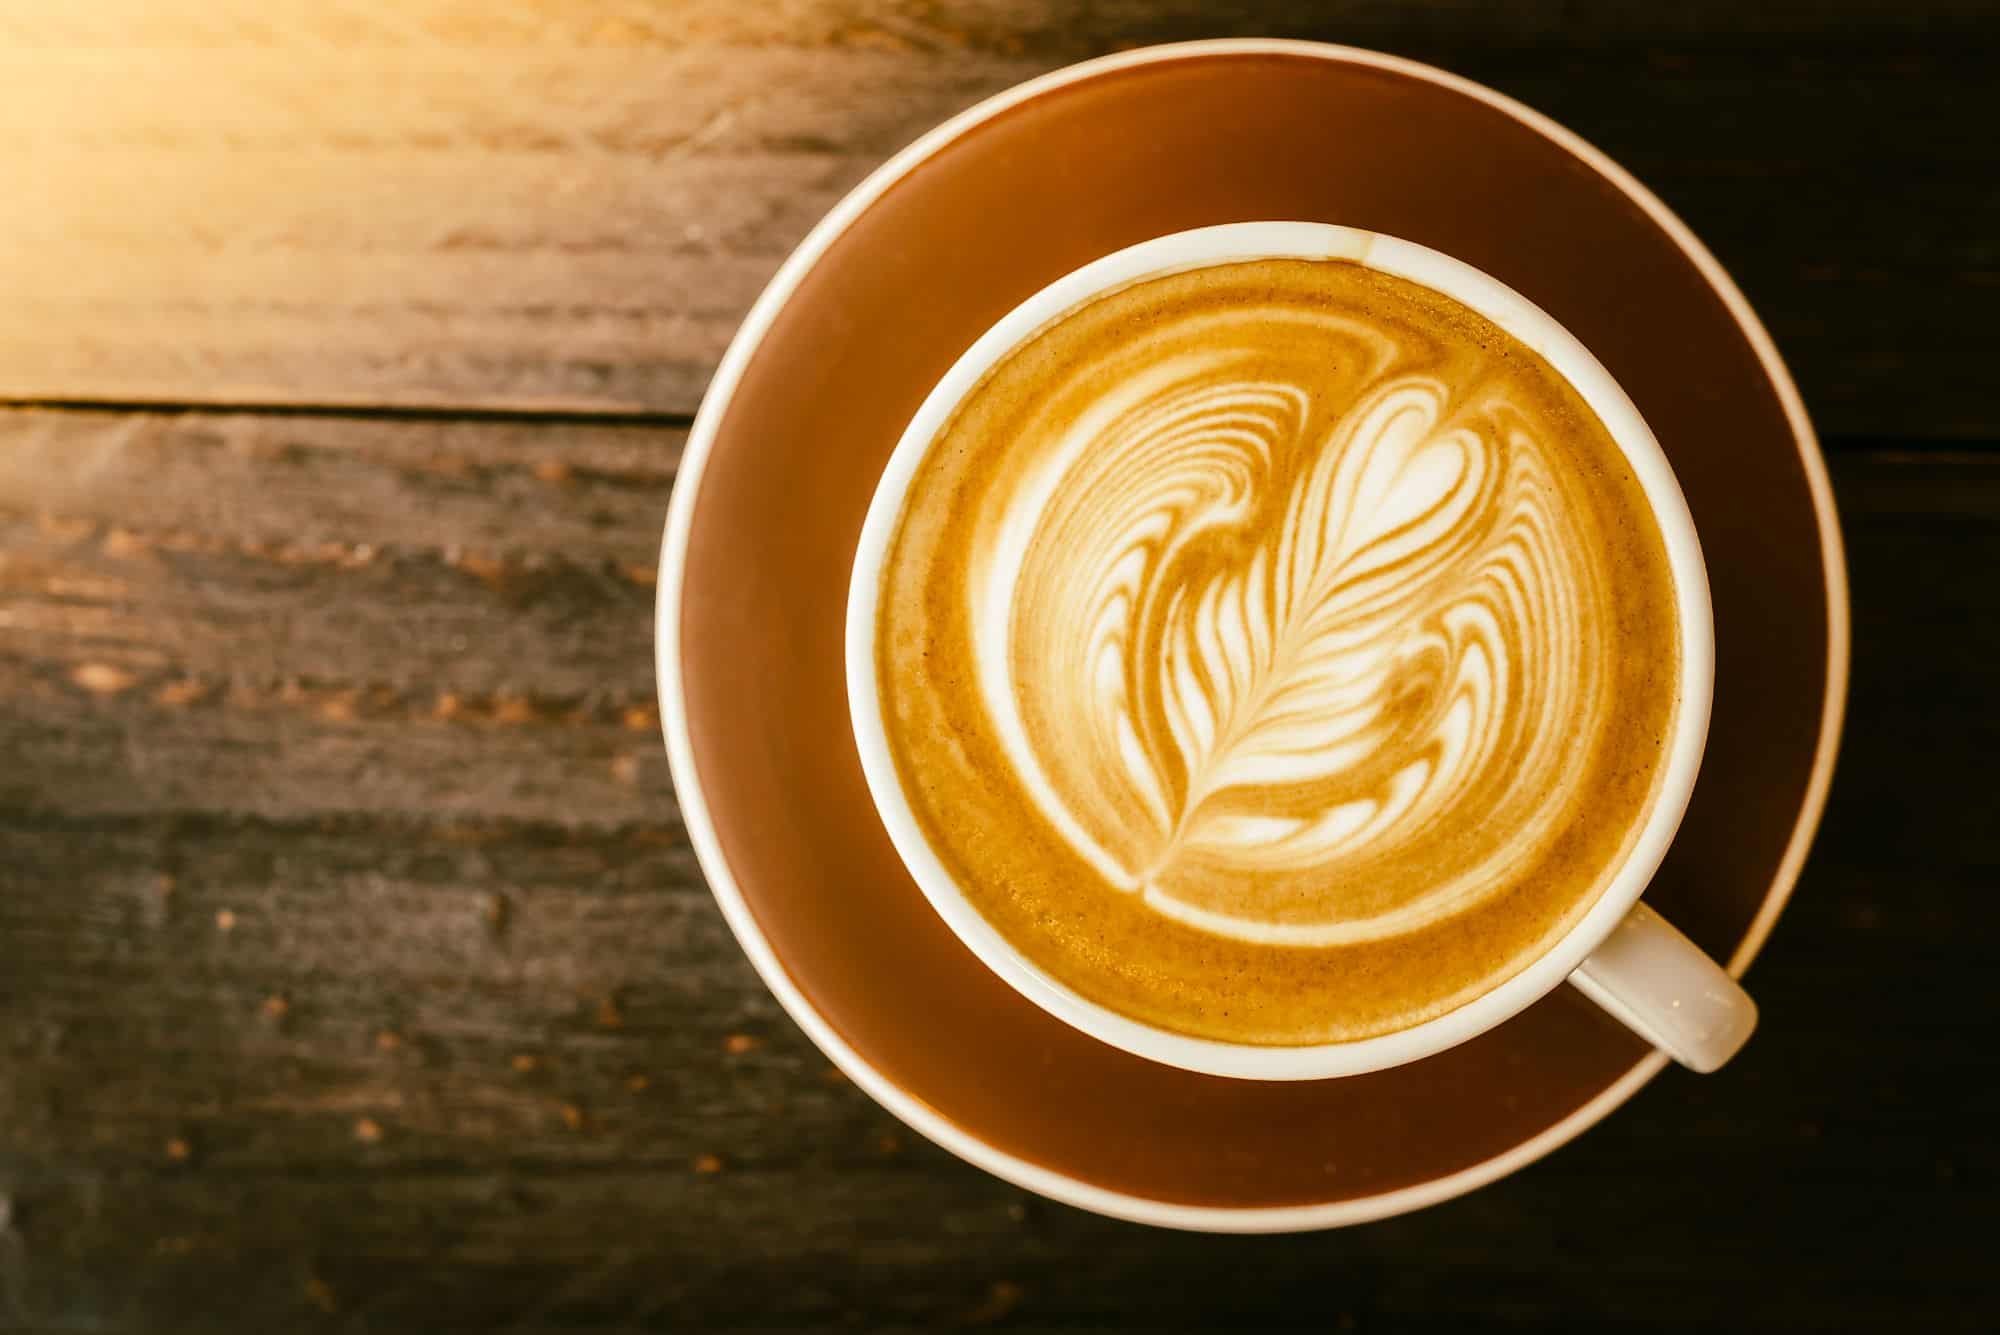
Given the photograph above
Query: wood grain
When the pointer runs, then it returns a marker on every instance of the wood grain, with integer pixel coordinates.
(328, 1006)
(286, 616)
(355, 971)
(544, 205)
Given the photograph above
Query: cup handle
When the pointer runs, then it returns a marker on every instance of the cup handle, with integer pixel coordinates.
(1667, 991)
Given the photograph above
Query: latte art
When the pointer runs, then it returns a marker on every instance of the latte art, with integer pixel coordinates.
(1280, 622)
(1241, 647)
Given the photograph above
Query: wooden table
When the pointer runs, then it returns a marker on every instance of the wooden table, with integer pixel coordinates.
(355, 974)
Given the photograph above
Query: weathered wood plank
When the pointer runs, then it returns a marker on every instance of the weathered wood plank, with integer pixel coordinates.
(452, 204)
(305, 751)
(121, 493)
(522, 981)
(416, 228)
(475, 1177)
(295, 615)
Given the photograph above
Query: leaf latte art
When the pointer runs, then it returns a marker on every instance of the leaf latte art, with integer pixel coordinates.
(1278, 651)
(1227, 657)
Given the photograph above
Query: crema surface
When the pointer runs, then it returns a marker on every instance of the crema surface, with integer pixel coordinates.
(1278, 652)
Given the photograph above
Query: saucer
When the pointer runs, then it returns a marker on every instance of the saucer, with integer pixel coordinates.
(856, 327)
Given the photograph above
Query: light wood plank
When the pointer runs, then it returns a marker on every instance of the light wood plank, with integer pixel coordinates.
(570, 206)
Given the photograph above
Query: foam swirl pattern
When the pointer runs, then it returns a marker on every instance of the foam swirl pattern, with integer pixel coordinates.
(1294, 613)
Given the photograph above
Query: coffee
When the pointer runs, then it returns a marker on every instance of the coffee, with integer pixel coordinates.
(1277, 652)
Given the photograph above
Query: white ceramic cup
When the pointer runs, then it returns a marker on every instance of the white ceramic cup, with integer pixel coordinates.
(1620, 954)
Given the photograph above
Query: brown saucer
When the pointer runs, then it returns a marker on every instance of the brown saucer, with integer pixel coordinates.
(890, 288)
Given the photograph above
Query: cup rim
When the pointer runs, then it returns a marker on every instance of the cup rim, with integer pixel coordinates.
(1207, 247)
(735, 906)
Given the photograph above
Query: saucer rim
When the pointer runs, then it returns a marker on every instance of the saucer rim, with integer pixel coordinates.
(736, 910)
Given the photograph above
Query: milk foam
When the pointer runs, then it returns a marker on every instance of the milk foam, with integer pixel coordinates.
(1197, 729)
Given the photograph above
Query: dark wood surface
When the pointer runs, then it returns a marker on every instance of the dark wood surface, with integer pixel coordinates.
(355, 973)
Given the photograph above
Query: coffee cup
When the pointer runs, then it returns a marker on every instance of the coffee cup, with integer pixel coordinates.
(1615, 949)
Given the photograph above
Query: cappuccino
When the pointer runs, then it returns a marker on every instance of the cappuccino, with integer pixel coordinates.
(1277, 652)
